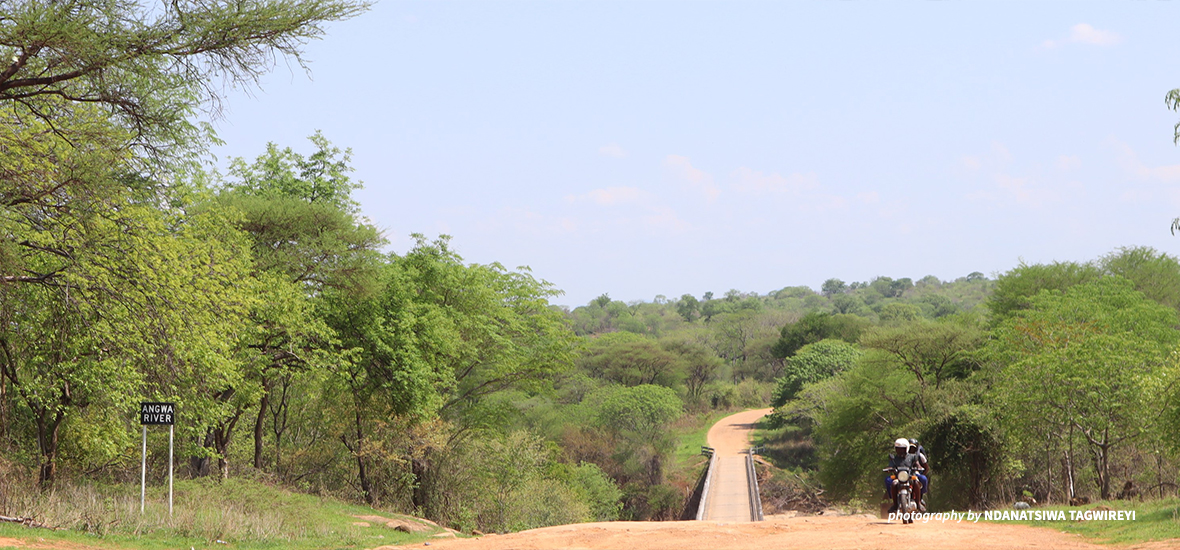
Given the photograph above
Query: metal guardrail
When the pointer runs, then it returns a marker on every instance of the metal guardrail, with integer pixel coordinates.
(704, 504)
(755, 495)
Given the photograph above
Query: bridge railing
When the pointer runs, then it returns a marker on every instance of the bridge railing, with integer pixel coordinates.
(752, 478)
(704, 504)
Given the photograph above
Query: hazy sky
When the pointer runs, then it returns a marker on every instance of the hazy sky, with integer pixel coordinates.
(648, 148)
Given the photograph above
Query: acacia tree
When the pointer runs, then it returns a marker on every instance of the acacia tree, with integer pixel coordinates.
(149, 66)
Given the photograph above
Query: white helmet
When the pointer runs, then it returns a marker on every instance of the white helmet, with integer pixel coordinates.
(901, 442)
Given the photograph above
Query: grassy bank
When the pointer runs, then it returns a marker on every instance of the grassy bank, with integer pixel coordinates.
(692, 433)
(1154, 520)
(241, 513)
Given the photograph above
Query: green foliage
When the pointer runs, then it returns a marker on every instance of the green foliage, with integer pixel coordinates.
(111, 299)
(1016, 288)
(688, 307)
(833, 286)
(933, 351)
(1155, 274)
(147, 66)
(698, 364)
(816, 326)
(812, 363)
(597, 490)
(1087, 361)
(643, 411)
(631, 360)
(896, 312)
(968, 447)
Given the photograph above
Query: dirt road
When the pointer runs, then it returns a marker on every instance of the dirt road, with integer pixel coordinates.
(729, 497)
(778, 532)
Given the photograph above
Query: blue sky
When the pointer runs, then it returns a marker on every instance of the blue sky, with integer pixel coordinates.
(648, 148)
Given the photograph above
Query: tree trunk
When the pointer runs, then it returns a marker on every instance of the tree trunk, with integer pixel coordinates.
(48, 424)
(222, 436)
(361, 468)
(420, 467)
(259, 423)
(1103, 465)
(1067, 465)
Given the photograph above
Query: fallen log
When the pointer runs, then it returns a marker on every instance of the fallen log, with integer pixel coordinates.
(27, 522)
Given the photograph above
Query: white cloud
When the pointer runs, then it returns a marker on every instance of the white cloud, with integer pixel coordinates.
(1084, 33)
(612, 150)
(871, 197)
(752, 181)
(608, 196)
(972, 162)
(696, 179)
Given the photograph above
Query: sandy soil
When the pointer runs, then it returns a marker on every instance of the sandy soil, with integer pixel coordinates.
(778, 532)
(40, 543)
(731, 435)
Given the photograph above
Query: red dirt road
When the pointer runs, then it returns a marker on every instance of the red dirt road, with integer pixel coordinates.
(779, 532)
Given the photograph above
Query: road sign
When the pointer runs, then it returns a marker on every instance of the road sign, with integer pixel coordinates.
(157, 414)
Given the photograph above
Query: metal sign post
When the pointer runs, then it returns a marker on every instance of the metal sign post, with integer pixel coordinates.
(155, 414)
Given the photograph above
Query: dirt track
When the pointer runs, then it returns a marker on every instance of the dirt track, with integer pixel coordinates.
(777, 532)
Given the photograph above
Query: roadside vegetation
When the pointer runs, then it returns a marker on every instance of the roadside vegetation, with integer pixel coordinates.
(1155, 520)
(319, 378)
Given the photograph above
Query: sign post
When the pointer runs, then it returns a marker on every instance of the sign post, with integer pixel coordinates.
(155, 414)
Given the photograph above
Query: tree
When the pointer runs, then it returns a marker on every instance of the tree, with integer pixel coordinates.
(895, 312)
(1086, 362)
(438, 339)
(1155, 274)
(932, 351)
(301, 217)
(698, 364)
(688, 307)
(1016, 288)
(833, 286)
(148, 66)
(631, 360)
(812, 363)
(107, 297)
(639, 416)
(816, 326)
(1172, 100)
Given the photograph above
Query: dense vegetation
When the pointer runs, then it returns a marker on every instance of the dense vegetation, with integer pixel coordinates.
(1062, 389)
(302, 355)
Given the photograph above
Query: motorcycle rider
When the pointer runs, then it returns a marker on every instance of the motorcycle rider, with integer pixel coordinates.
(924, 475)
(902, 458)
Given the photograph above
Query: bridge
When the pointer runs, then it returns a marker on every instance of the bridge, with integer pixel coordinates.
(731, 487)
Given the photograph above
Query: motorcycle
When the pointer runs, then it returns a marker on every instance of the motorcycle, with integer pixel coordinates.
(906, 483)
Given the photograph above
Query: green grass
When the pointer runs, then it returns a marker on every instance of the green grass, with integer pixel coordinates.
(692, 434)
(244, 514)
(1154, 520)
